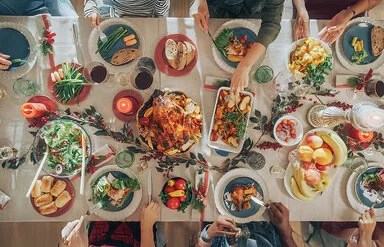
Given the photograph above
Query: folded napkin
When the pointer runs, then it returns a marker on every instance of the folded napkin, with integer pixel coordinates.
(43, 22)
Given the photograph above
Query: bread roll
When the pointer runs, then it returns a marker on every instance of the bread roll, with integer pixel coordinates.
(48, 209)
(58, 188)
(36, 191)
(42, 200)
(171, 53)
(191, 50)
(124, 56)
(377, 40)
(46, 185)
(182, 55)
(63, 199)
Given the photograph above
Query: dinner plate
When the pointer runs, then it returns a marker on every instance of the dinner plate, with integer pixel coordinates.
(254, 206)
(128, 208)
(83, 94)
(366, 197)
(361, 28)
(63, 210)
(108, 26)
(353, 199)
(161, 60)
(241, 175)
(17, 42)
(240, 27)
(289, 171)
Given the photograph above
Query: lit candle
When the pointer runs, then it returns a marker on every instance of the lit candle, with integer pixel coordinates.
(124, 105)
(33, 110)
(363, 136)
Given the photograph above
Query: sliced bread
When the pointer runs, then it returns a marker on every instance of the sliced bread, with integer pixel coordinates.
(171, 53)
(377, 40)
(191, 50)
(182, 55)
(124, 56)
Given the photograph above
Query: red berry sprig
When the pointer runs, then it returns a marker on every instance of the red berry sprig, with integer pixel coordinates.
(340, 105)
(269, 145)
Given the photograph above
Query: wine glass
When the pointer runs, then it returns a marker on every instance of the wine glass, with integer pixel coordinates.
(97, 73)
(356, 164)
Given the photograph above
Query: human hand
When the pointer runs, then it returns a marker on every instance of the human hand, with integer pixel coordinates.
(201, 17)
(149, 215)
(239, 81)
(94, 18)
(335, 26)
(74, 234)
(4, 62)
(301, 25)
(279, 216)
(223, 225)
(367, 224)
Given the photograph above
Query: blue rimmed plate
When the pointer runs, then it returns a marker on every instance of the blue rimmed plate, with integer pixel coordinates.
(17, 42)
(254, 206)
(131, 203)
(365, 196)
(240, 176)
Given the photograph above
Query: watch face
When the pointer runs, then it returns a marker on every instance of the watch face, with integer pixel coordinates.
(204, 235)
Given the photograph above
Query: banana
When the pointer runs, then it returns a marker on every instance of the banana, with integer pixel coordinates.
(305, 189)
(338, 147)
(324, 183)
(296, 191)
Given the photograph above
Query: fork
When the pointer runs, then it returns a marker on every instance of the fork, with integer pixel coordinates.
(102, 35)
(379, 198)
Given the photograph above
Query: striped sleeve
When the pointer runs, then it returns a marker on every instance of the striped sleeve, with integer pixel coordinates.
(89, 7)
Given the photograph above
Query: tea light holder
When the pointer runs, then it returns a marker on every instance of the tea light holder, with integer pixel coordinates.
(364, 116)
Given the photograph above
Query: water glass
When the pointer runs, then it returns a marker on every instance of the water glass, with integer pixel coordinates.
(263, 74)
(24, 87)
(125, 159)
(356, 164)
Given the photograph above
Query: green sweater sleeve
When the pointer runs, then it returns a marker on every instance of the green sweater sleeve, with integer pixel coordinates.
(271, 17)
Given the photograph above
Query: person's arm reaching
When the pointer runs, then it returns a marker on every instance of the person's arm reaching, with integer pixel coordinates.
(301, 24)
(279, 217)
(74, 234)
(270, 27)
(91, 12)
(200, 12)
(149, 215)
(336, 26)
(367, 224)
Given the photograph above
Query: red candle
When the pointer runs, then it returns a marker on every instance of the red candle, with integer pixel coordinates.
(124, 105)
(33, 110)
(363, 136)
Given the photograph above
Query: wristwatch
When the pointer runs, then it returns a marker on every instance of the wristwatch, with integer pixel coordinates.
(204, 235)
(349, 8)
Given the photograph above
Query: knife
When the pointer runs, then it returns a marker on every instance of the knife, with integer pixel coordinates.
(260, 202)
(79, 52)
(149, 185)
(214, 42)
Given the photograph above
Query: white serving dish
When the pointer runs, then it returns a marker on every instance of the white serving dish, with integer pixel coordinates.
(219, 144)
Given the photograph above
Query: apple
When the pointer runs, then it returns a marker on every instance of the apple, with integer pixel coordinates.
(305, 153)
(314, 141)
(322, 156)
(312, 176)
(325, 145)
(322, 168)
(307, 165)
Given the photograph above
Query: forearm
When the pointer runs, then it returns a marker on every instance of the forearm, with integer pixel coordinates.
(289, 242)
(147, 238)
(252, 56)
(362, 5)
(300, 6)
(365, 240)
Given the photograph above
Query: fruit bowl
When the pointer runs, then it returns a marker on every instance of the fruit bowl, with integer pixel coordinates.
(283, 125)
(176, 194)
(314, 163)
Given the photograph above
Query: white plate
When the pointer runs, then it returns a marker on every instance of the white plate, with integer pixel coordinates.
(292, 47)
(352, 197)
(94, 37)
(216, 53)
(113, 215)
(227, 178)
(299, 131)
(289, 171)
(345, 61)
(27, 66)
(219, 144)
